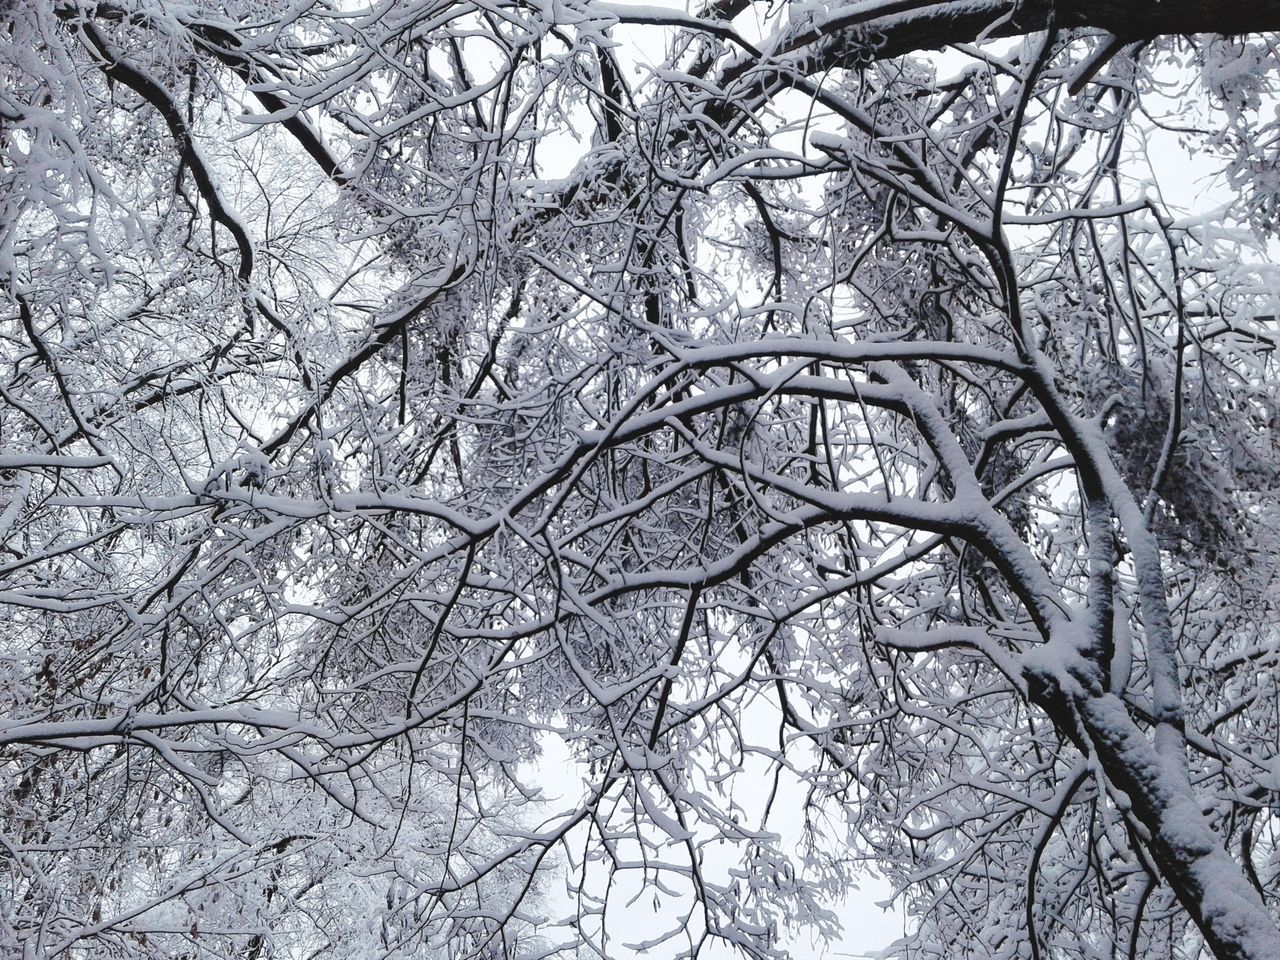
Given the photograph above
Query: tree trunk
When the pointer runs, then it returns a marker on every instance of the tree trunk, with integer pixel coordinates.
(1210, 885)
(892, 29)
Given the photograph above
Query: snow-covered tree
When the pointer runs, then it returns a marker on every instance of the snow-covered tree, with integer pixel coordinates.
(851, 429)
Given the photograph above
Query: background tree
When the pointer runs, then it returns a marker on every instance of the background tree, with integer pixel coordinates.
(854, 420)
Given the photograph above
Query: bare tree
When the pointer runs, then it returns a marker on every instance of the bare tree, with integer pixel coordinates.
(861, 442)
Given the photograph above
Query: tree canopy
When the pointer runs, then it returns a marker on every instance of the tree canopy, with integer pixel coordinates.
(852, 430)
